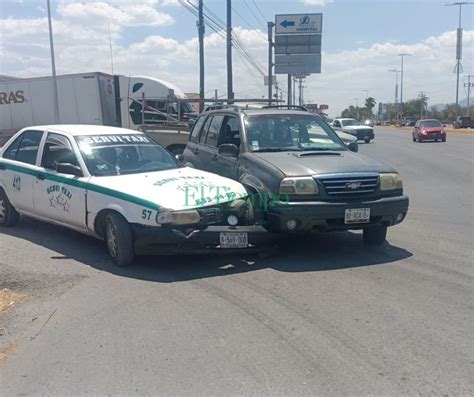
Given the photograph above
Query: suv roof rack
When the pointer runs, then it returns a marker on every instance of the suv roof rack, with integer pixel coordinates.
(285, 107)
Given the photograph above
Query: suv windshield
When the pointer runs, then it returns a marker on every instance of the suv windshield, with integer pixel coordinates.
(281, 132)
(109, 155)
(431, 123)
(347, 122)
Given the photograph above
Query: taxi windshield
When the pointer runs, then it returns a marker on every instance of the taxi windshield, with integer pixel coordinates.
(110, 155)
(290, 132)
(349, 122)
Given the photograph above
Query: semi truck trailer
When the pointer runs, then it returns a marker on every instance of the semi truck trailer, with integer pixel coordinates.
(135, 102)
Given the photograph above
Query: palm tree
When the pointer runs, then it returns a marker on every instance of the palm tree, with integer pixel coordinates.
(370, 104)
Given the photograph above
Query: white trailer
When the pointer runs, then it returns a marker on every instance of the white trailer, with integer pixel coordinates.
(100, 99)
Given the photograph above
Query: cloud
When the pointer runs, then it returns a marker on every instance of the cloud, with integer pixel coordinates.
(82, 45)
(317, 2)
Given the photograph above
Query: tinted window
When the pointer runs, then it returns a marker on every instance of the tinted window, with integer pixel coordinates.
(57, 149)
(197, 129)
(214, 129)
(336, 123)
(431, 123)
(10, 153)
(230, 131)
(28, 150)
(203, 134)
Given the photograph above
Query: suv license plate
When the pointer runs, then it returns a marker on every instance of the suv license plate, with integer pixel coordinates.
(357, 215)
(234, 240)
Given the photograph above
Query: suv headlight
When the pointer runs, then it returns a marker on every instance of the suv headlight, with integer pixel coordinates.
(178, 218)
(390, 182)
(301, 185)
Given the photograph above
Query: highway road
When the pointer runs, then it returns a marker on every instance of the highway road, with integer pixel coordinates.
(325, 316)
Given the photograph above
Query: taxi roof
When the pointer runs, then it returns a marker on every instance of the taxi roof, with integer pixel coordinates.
(85, 129)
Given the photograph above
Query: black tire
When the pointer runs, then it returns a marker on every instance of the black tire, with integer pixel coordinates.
(8, 215)
(375, 235)
(119, 240)
(367, 140)
(443, 140)
(414, 139)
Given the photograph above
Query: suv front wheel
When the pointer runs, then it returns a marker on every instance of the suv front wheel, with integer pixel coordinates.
(375, 235)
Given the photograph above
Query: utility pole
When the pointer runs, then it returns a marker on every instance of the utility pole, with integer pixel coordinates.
(294, 90)
(215, 97)
(53, 68)
(289, 90)
(458, 66)
(200, 25)
(230, 88)
(468, 93)
(300, 99)
(423, 98)
(401, 81)
(270, 26)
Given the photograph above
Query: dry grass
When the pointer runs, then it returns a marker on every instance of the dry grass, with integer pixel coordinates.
(6, 353)
(9, 298)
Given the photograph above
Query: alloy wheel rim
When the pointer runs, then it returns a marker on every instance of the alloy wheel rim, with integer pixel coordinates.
(3, 210)
(111, 240)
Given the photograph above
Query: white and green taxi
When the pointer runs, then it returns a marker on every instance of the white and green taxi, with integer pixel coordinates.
(121, 186)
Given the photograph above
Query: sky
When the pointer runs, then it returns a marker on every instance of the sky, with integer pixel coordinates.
(361, 41)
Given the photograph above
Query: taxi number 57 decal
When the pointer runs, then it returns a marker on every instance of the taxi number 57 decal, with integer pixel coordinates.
(146, 214)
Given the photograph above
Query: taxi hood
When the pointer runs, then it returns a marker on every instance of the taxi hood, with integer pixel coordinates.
(176, 189)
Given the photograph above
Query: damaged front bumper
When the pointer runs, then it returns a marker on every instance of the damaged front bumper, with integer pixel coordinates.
(224, 239)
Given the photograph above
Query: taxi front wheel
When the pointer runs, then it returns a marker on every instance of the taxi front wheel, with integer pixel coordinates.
(119, 240)
(8, 214)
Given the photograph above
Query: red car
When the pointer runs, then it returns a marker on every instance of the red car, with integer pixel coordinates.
(429, 130)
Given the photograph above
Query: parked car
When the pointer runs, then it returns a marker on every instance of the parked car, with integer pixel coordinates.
(429, 130)
(302, 173)
(121, 186)
(354, 127)
(463, 122)
(410, 123)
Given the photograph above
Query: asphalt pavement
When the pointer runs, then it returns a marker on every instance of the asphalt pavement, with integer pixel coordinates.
(325, 316)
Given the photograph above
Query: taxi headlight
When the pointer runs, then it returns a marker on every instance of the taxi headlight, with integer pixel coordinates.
(303, 185)
(390, 182)
(178, 218)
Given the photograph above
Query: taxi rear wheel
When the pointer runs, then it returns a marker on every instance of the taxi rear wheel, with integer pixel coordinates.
(119, 240)
(375, 235)
(8, 215)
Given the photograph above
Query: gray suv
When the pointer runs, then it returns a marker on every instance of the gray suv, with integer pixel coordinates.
(301, 175)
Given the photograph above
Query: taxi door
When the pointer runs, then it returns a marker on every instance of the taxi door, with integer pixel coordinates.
(60, 197)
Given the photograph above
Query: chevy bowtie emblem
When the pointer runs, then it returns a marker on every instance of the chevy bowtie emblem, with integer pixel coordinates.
(353, 185)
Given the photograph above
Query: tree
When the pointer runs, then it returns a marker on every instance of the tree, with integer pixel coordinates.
(370, 104)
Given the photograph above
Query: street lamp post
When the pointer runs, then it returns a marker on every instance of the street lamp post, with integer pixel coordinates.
(401, 80)
(53, 67)
(458, 48)
(396, 91)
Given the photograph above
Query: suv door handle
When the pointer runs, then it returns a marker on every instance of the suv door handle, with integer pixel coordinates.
(196, 151)
(41, 177)
(214, 157)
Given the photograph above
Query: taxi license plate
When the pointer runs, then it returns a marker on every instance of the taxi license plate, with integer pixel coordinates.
(357, 215)
(234, 240)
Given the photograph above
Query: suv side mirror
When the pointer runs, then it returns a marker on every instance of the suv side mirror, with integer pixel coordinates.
(353, 147)
(228, 150)
(69, 169)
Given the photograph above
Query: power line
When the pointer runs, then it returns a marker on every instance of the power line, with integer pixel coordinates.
(255, 16)
(259, 11)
